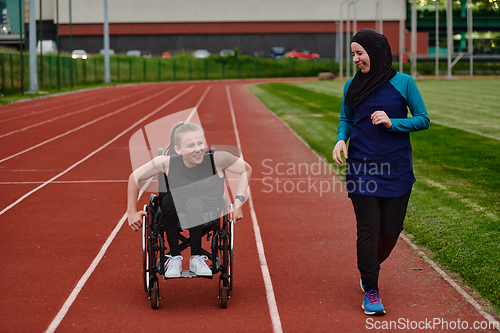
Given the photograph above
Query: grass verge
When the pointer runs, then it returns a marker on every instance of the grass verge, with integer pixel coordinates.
(454, 208)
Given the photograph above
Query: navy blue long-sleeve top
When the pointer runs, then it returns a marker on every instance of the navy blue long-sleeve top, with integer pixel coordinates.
(380, 159)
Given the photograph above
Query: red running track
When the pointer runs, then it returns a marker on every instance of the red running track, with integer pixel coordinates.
(64, 163)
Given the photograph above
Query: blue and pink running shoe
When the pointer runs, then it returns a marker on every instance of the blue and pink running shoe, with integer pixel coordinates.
(372, 303)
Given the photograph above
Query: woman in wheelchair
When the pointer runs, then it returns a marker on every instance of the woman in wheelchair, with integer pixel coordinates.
(194, 179)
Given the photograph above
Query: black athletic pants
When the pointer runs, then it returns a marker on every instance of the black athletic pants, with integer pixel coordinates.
(170, 221)
(379, 222)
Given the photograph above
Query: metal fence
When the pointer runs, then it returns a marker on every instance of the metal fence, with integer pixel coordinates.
(59, 72)
(62, 72)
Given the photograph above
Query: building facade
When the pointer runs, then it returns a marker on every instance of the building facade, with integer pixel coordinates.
(252, 26)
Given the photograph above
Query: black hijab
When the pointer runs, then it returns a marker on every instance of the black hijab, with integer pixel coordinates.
(381, 71)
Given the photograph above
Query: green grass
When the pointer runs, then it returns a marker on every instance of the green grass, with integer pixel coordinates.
(454, 209)
(464, 104)
(470, 105)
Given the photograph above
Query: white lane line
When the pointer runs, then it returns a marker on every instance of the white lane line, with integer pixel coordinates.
(21, 105)
(84, 125)
(33, 113)
(448, 279)
(96, 181)
(59, 106)
(42, 101)
(72, 297)
(69, 114)
(199, 102)
(271, 300)
(95, 151)
(79, 286)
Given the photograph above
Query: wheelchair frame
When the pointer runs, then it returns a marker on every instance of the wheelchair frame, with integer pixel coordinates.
(221, 232)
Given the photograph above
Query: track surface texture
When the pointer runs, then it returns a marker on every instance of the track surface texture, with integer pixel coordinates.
(64, 162)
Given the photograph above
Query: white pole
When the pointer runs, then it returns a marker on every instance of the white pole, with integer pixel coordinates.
(341, 40)
(347, 44)
(341, 47)
(471, 41)
(437, 40)
(32, 46)
(354, 30)
(337, 41)
(449, 32)
(414, 39)
(380, 17)
(107, 76)
(402, 30)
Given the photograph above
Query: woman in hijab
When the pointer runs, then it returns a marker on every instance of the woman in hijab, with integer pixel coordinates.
(379, 171)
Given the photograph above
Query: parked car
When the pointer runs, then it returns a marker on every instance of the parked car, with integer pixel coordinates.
(302, 54)
(226, 53)
(111, 52)
(47, 46)
(277, 52)
(166, 54)
(79, 54)
(201, 53)
(133, 53)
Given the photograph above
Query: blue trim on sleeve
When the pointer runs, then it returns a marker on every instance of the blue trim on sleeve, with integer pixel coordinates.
(407, 87)
(347, 117)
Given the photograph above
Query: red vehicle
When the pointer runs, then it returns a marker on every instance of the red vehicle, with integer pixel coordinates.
(302, 54)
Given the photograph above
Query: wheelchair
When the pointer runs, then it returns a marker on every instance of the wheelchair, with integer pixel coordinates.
(219, 231)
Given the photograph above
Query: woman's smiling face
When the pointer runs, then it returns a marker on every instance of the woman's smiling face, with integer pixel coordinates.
(360, 57)
(192, 148)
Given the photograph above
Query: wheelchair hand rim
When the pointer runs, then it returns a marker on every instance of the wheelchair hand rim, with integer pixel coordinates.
(145, 253)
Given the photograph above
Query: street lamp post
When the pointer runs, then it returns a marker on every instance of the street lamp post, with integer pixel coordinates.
(437, 40)
(32, 48)
(70, 46)
(414, 39)
(402, 30)
(471, 41)
(58, 48)
(41, 48)
(341, 40)
(21, 45)
(449, 31)
(347, 43)
(107, 75)
(380, 21)
(354, 30)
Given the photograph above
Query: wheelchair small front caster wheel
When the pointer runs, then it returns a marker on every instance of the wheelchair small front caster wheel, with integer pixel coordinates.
(154, 295)
(223, 297)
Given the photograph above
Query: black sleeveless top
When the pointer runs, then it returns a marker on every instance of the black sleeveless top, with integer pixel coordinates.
(201, 181)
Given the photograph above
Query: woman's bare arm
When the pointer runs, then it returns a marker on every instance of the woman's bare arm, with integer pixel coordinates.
(146, 171)
(231, 163)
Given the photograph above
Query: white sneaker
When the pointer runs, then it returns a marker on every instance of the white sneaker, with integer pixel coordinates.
(173, 266)
(198, 266)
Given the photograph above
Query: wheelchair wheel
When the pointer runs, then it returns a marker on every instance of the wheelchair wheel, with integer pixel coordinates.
(223, 294)
(153, 248)
(226, 255)
(145, 256)
(225, 278)
(215, 250)
(154, 294)
(231, 256)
